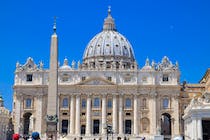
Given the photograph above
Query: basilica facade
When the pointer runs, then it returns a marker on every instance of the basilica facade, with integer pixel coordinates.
(106, 96)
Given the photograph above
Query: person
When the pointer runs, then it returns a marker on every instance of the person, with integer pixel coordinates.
(15, 137)
(35, 136)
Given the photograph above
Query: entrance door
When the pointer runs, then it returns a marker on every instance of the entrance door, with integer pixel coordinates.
(26, 122)
(82, 129)
(166, 126)
(206, 130)
(64, 127)
(96, 124)
(127, 126)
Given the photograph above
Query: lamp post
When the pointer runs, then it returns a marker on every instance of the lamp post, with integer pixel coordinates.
(108, 131)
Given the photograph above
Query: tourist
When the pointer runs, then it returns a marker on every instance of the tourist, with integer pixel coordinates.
(35, 136)
(15, 137)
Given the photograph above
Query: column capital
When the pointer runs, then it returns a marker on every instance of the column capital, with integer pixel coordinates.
(89, 94)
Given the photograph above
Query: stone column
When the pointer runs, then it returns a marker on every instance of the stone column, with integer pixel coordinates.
(39, 111)
(72, 113)
(31, 124)
(77, 119)
(153, 125)
(175, 123)
(194, 126)
(17, 111)
(88, 118)
(135, 115)
(104, 123)
(114, 114)
(120, 115)
(199, 130)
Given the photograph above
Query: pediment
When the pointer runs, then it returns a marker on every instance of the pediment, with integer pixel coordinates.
(96, 81)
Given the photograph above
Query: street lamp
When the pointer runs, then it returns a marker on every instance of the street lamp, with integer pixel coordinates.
(108, 131)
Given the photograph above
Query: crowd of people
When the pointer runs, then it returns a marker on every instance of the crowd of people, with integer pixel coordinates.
(34, 136)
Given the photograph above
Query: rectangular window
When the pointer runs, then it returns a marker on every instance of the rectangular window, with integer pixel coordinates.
(83, 78)
(127, 79)
(165, 78)
(29, 77)
(28, 103)
(96, 103)
(64, 114)
(65, 103)
(128, 114)
(144, 79)
(165, 103)
(127, 103)
(109, 78)
(83, 103)
(109, 104)
(65, 77)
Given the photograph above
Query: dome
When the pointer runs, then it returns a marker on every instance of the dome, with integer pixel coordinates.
(108, 46)
(147, 65)
(65, 65)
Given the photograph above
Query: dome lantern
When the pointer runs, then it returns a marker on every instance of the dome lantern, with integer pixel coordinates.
(109, 22)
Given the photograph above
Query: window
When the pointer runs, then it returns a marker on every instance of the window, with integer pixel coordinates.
(65, 78)
(109, 78)
(109, 104)
(83, 103)
(109, 114)
(128, 114)
(128, 103)
(144, 79)
(29, 77)
(127, 79)
(165, 103)
(64, 114)
(28, 103)
(96, 102)
(83, 114)
(83, 78)
(144, 104)
(165, 78)
(65, 103)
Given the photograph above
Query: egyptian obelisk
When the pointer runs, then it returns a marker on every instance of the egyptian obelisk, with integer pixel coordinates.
(52, 103)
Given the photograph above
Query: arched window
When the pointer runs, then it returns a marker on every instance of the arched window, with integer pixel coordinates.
(127, 103)
(83, 103)
(165, 103)
(28, 103)
(65, 103)
(144, 103)
(96, 102)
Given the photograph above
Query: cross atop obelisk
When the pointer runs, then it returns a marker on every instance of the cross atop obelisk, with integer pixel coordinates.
(52, 103)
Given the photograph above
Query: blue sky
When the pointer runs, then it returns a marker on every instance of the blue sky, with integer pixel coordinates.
(179, 29)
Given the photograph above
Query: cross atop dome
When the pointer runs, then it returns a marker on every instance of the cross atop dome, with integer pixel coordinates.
(54, 25)
(109, 10)
(109, 23)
